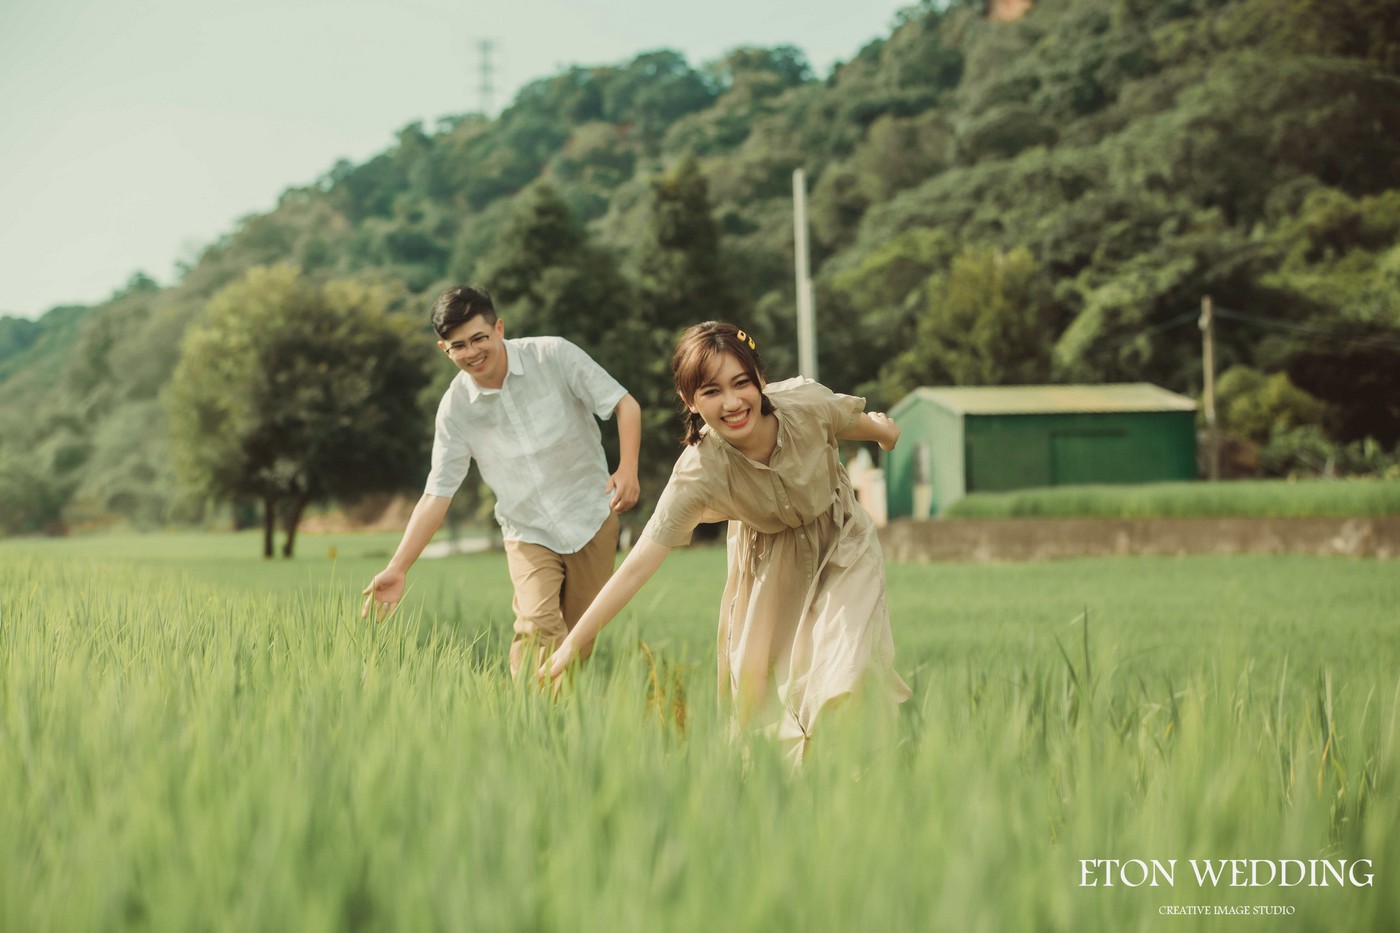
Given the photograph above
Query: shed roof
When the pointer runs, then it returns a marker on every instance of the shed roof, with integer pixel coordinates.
(1034, 400)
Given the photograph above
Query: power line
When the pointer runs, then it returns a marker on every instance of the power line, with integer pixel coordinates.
(1152, 331)
(1174, 322)
(1378, 342)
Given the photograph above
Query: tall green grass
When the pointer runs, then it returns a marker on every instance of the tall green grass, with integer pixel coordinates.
(184, 752)
(1350, 498)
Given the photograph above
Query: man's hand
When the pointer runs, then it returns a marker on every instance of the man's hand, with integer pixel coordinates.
(382, 595)
(624, 488)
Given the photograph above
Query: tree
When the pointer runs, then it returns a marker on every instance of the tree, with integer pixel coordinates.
(986, 323)
(547, 278)
(681, 281)
(681, 277)
(291, 392)
(654, 90)
(760, 72)
(29, 500)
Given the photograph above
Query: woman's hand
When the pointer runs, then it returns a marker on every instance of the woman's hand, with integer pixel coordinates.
(887, 427)
(873, 426)
(558, 662)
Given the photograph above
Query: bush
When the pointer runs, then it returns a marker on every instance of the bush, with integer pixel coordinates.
(1257, 406)
(1306, 451)
(29, 501)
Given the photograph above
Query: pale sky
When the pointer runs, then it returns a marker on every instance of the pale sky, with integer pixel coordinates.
(135, 132)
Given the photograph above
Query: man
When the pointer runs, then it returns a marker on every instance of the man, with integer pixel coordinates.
(525, 409)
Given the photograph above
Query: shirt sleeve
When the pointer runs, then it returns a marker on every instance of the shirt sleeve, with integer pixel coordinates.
(681, 504)
(589, 382)
(452, 454)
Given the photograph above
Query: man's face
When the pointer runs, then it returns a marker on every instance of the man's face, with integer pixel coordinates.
(479, 350)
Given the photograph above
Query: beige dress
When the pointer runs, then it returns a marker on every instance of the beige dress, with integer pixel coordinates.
(803, 622)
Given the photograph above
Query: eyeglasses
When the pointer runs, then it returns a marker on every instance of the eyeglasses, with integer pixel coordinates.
(458, 347)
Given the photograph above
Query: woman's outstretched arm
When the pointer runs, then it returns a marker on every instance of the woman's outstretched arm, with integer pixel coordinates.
(636, 570)
(875, 426)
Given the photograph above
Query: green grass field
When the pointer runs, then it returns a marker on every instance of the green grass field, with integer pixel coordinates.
(193, 738)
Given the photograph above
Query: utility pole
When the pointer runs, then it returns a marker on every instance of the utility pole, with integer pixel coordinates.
(1207, 323)
(806, 312)
(485, 88)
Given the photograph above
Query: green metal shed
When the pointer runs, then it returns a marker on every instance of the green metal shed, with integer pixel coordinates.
(993, 438)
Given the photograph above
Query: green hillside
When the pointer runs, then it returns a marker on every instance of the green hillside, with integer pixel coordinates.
(1038, 201)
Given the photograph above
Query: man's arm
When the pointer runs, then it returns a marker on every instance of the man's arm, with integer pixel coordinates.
(386, 589)
(875, 426)
(623, 483)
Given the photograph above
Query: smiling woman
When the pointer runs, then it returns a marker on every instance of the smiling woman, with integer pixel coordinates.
(803, 625)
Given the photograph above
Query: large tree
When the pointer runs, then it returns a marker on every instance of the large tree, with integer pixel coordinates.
(681, 281)
(547, 277)
(681, 275)
(988, 321)
(292, 391)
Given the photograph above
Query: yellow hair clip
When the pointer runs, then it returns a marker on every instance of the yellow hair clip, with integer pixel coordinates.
(747, 339)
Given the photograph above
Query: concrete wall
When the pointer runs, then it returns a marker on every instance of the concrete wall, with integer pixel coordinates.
(1041, 539)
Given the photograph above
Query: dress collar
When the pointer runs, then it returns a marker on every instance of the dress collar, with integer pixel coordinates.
(725, 445)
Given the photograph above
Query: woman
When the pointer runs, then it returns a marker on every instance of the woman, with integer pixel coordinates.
(803, 622)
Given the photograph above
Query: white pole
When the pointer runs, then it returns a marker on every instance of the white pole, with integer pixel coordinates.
(1207, 323)
(806, 310)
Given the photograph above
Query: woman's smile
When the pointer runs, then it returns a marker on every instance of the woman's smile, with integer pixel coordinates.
(738, 419)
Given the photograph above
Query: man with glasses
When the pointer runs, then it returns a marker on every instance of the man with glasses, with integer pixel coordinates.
(527, 410)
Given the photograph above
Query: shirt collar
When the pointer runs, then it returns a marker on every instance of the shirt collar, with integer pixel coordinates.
(514, 367)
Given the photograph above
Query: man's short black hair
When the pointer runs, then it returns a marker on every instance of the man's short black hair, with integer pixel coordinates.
(456, 306)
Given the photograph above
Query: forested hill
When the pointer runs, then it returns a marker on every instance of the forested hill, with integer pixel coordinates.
(1036, 201)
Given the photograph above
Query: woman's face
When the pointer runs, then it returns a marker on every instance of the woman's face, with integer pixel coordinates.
(729, 400)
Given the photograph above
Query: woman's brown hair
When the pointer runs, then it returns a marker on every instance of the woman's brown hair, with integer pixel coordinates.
(693, 365)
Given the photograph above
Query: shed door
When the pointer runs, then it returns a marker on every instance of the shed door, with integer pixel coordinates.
(1093, 456)
(998, 460)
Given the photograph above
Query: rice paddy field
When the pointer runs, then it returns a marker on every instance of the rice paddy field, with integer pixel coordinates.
(192, 738)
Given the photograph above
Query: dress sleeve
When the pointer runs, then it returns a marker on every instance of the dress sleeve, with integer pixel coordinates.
(681, 504)
(844, 410)
(837, 413)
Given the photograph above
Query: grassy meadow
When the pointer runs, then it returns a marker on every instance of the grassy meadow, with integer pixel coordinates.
(193, 738)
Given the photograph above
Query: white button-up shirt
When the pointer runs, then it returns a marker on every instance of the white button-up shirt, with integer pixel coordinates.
(536, 441)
